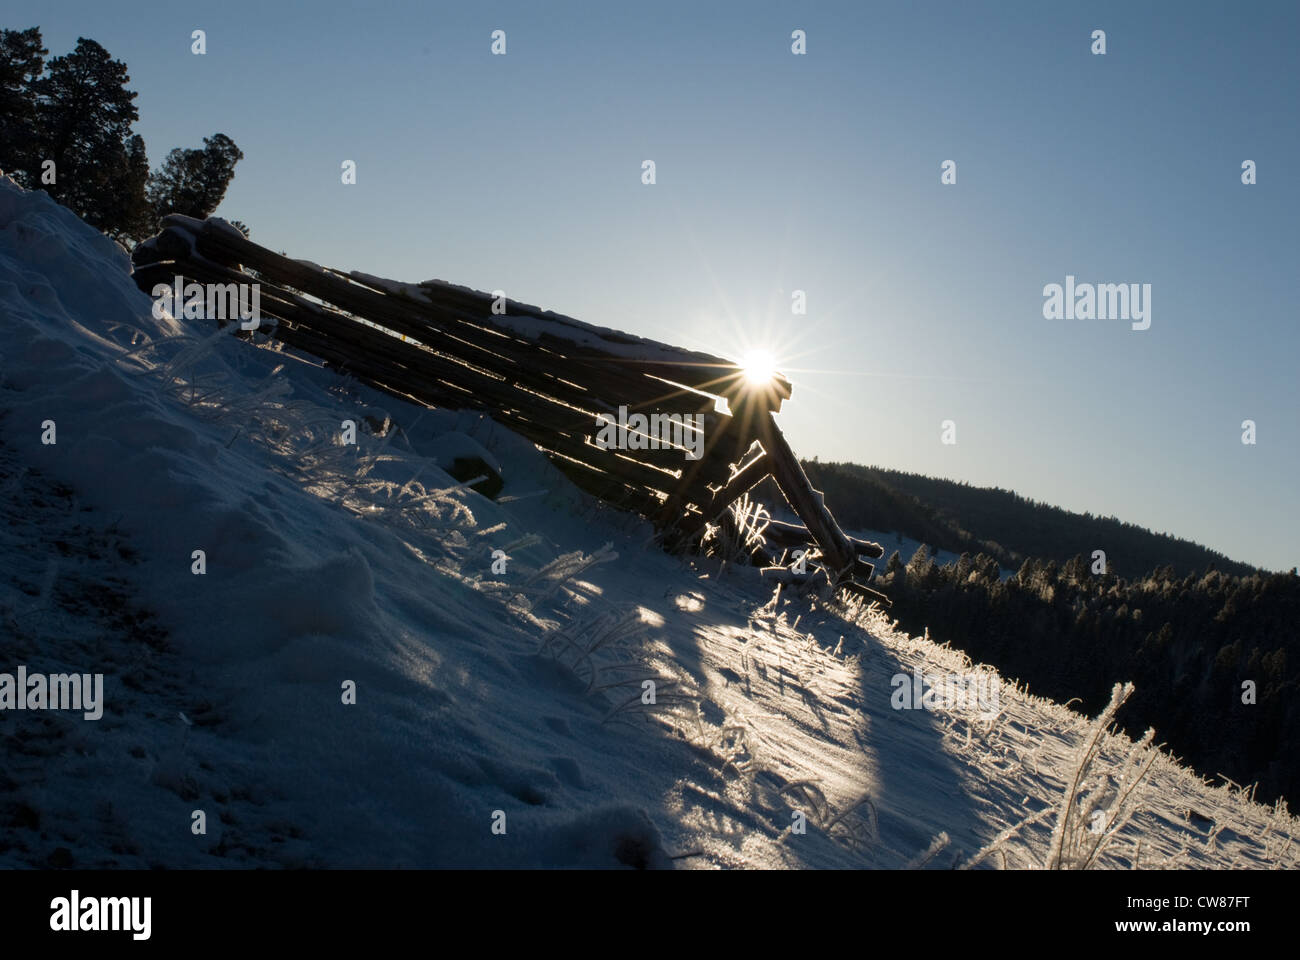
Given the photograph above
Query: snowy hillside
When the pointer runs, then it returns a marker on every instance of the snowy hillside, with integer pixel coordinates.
(907, 546)
(481, 698)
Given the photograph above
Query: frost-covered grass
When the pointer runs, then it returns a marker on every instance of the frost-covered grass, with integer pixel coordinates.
(1091, 812)
(737, 534)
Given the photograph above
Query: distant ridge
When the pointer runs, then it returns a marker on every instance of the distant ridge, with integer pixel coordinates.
(1000, 523)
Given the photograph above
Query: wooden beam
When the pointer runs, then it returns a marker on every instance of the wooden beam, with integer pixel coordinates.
(837, 550)
(471, 311)
(790, 534)
(688, 526)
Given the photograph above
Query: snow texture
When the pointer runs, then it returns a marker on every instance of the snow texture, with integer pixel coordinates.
(482, 698)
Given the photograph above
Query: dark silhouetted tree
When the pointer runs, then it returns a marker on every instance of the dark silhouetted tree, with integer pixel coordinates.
(134, 220)
(85, 114)
(22, 61)
(193, 182)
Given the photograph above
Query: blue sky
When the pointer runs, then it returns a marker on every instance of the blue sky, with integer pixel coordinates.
(821, 173)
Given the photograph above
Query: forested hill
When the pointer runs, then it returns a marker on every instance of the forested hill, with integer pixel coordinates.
(1008, 527)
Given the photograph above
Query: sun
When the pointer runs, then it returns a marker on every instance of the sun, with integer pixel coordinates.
(758, 367)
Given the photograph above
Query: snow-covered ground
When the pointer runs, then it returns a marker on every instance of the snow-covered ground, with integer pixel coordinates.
(906, 547)
(482, 699)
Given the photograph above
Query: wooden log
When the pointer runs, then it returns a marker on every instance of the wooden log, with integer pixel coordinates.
(688, 526)
(528, 422)
(417, 371)
(697, 370)
(168, 245)
(793, 534)
(619, 485)
(620, 473)
(643, 392)
(492, 351)
(605, 487)
(574, 338)
(495, 391)
(869, 593)
(377, 358)
(837, 550)
(728, 444)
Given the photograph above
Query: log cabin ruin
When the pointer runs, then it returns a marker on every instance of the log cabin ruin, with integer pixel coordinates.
(674, 435)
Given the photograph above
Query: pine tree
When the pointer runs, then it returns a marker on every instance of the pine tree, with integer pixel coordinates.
(193, 182)
(133, 219)
(22, 61)
(919, 562)
(922, 572)
(964, 566)
(1075, 570)
(85, 116)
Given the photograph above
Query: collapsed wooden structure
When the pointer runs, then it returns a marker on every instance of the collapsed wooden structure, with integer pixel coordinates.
(546, 376)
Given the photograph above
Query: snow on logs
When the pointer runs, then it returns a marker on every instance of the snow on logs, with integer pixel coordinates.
(561, 383)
